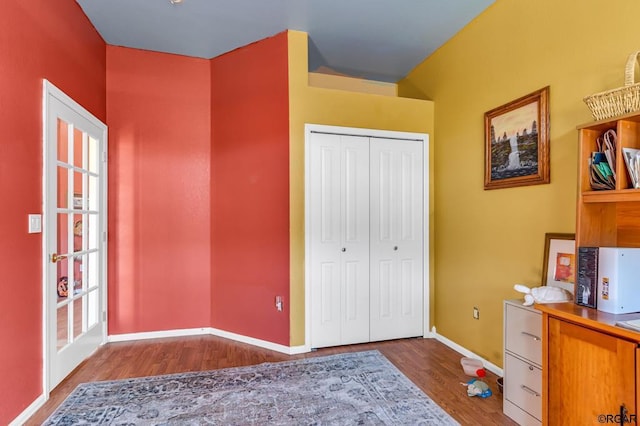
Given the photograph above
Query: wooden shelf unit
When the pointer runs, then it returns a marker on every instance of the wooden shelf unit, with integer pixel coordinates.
(590, 366)
(608, 217)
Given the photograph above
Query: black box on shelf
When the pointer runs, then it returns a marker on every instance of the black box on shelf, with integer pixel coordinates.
(587, 277)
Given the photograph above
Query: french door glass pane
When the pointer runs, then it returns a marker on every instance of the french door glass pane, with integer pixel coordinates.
(93, 311)
(63, 137)
(77, 191)
(77, 317)
(62, 284)
(63, 330)
(62, 235)
(94, 156)
(78, 275)
(93, 192)
(91, 231)
(92, 276)
(77, 230)
(63, 184)
(78, 148)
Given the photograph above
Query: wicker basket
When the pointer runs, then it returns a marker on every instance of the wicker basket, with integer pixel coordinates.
(622, 100)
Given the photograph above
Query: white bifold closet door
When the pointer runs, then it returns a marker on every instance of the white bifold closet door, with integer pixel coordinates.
(396, 239)
(340, 239)
(366, 236)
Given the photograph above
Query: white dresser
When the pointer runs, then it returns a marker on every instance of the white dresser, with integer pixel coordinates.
(522, 398)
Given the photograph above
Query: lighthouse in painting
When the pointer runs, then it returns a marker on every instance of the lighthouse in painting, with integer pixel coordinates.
(514, 143)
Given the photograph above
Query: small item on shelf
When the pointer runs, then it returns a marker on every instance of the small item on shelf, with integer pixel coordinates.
(607, 144)
(587, 276)
(632, 160)
(602, 164)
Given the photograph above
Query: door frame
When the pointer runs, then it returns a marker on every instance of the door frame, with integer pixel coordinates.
(374, 133)
(50, 92)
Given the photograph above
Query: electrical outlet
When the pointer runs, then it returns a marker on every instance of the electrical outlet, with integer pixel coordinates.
(279, 303)
(476, 313)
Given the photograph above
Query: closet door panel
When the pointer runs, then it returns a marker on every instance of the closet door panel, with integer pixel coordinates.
(339, 252)
(355, 239)
(396, 239)
(325, 228)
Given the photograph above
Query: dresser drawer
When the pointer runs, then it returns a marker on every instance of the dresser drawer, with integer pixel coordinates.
(523, 385)
(523, 333)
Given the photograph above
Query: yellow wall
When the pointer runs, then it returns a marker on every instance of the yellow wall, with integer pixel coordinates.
(485, 241)
(340, 82)
(316, 105)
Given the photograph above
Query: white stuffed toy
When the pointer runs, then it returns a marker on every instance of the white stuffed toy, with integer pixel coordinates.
(544, 294)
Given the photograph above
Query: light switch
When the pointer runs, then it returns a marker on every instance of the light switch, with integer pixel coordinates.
(35, 223)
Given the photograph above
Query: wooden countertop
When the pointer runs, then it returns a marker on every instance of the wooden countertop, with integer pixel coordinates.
(592, 318)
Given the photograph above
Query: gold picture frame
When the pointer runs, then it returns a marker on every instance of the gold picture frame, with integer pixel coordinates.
(517, 142)
(559, 260)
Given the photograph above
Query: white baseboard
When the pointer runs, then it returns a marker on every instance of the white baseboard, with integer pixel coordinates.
(29, 411)
(464, 351)
(429, 334)
(289, 350)
(157, 334)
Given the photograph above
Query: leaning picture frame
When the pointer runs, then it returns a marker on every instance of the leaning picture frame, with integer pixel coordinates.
(559, 261)
(517, 142)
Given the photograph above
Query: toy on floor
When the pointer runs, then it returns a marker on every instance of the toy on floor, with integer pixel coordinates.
(477, 387)
(544, 294)
(472, 367)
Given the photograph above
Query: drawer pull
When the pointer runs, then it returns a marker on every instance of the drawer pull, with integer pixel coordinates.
(533, 336)
(529, 390)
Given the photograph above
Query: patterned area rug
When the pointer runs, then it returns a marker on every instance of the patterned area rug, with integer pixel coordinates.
(346, 389)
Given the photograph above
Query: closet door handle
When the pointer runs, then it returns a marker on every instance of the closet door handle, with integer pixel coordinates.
(395, 248)
(533, 336)
(343, 249)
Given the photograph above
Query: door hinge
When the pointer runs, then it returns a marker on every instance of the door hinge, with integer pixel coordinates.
(104, 157)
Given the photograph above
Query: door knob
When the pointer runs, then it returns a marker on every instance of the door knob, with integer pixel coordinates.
(395, 248)
(343, 249)
(55, 257)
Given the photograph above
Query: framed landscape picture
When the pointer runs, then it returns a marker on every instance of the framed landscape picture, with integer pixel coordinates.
(517, 142)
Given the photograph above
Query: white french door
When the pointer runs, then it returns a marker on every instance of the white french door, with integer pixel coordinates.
(74, 236)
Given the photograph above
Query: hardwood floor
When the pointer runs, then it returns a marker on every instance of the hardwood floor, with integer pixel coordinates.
(431, 365)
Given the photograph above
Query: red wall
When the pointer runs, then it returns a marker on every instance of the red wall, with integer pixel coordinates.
(158, 111)
(250, 190)
(198, 150)
(38, 39)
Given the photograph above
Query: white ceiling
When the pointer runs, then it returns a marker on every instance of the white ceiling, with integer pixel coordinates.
(375, 39)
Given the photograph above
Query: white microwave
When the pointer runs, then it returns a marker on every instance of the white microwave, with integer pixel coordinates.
(618, 280)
